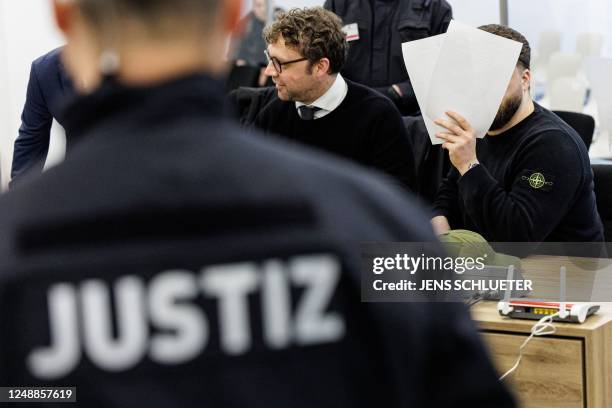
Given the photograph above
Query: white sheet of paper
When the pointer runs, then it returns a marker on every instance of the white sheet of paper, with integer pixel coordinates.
(420, 58)
(598, 73)
(470, 76)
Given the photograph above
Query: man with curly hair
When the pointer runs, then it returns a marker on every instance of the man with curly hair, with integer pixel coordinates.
(306, 50)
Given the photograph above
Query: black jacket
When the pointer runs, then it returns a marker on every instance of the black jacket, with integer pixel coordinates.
(48, 86)
(234, 265)
(375, 59)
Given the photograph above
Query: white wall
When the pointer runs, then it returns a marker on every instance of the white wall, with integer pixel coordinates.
(288, 4)
(570, 17)
(476, 12)
(26, 32)
(529, 17)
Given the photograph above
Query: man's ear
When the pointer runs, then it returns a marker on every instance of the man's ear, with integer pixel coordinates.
(63, 11)
(526, 77)
(322, 66)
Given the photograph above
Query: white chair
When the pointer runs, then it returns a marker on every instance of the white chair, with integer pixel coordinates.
(589, 44)
(548, 43)
(561, 65)
(567, 94)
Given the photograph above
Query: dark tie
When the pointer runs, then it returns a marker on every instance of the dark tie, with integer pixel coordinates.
(307, 112)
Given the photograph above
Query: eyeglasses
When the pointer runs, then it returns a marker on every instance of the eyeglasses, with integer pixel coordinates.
(278, 66)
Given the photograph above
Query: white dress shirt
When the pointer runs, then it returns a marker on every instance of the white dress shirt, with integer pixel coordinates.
(330, 100)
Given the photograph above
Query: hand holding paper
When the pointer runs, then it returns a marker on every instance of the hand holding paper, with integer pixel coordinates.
(459, 139)
(465, 70)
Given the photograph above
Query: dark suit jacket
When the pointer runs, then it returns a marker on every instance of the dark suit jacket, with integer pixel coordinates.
(48, 86)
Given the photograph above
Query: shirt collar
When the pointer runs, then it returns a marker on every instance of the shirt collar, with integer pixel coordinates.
(332, 98)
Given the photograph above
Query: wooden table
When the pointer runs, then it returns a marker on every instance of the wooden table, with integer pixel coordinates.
(572, 368)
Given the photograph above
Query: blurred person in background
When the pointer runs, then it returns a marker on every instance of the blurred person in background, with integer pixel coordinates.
(376, 29)
(247, 46)
(48, 86)
(172, 261)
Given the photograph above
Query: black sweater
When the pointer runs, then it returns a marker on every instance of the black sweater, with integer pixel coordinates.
(534, 184)
(365, 128)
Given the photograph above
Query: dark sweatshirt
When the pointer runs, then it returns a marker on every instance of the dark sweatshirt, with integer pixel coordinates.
(534, 184)
(365, 128)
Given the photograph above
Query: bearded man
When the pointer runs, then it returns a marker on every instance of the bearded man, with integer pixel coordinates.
(528, 180)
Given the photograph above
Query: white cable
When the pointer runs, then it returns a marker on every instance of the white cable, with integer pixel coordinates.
(543, 327)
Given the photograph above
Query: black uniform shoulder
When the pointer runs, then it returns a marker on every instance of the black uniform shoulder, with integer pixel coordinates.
(439, 6)
(442, 4)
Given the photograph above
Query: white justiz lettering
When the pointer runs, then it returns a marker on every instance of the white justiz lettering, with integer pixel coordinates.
(167, 304)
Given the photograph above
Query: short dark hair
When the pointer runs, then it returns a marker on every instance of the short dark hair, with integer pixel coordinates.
(507, 32)
(314, 32)
(158, 16)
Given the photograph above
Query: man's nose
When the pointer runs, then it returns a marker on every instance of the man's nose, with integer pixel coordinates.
(270, 70)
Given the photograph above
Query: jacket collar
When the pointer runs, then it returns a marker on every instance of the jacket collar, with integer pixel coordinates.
(64, 79)
(192, 94)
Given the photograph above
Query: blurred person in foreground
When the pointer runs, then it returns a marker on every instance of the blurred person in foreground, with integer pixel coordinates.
(528, 180)
(172, 261)
(306, 50)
